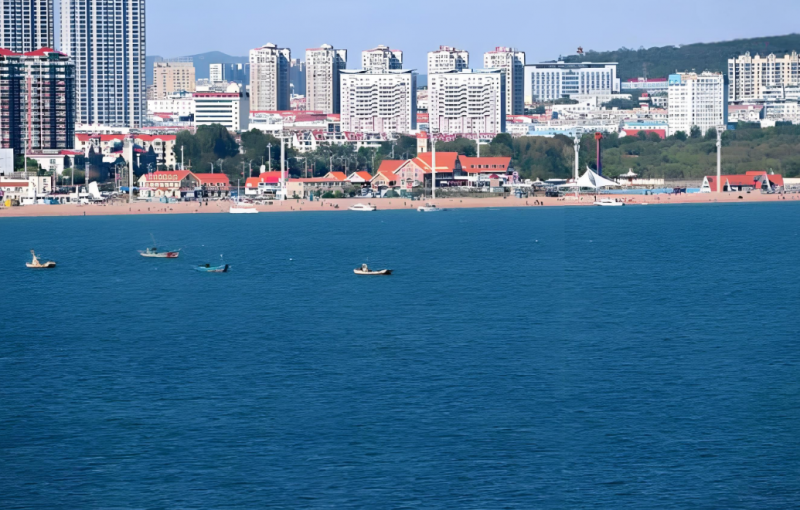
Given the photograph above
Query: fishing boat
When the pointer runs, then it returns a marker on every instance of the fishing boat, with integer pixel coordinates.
(362, 207)
(35, 264)
(429, 208)
(155, 253)
(607, 202)
(208, 268)
(366, 271)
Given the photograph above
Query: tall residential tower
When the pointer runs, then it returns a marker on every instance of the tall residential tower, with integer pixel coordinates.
(26, 25)
(106, 41)
(447, 58)
(513, 63)
(322, 78)
(269, 78)
(381, 59)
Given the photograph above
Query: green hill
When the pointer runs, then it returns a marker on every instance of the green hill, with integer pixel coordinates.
(660, 62)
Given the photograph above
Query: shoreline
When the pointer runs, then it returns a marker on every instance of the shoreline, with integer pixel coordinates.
(383, 204)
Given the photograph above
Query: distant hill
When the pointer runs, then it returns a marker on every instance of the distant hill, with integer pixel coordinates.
(663, 61)
(201, 63)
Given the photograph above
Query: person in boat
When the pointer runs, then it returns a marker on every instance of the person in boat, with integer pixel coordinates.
(207, 265)
(364, 267)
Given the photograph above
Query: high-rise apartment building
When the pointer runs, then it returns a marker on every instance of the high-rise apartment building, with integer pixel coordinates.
(297, 77)
(748, 77)
(513, 63)
(106, 40)
(269, 78)
(26, 25)
(468, 101)
(447, 58)
(216, 73)
(322, 78)
(381, 59)
(37, 98)
(697, 100)
(554, 80)
(170, 77)
(378, 102)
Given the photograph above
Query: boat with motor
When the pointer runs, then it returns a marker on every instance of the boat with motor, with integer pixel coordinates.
(607, 202)
(155, 253)
(242, 208)
(363, 208)
(429, 208)
(35, 264)
(208, 268)
(366, 271)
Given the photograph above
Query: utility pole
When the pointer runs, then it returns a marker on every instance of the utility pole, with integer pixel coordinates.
(183, 167)
(269, 157)
(577, 144)
(433, 166)
(212, 168)
(283, 167)
(719, 159)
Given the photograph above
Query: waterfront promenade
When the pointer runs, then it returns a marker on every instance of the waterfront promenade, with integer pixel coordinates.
(382, 204)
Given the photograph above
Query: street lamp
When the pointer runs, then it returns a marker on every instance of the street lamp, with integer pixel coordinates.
(269, 156)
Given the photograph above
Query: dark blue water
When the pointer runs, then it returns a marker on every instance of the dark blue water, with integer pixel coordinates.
(548, 358)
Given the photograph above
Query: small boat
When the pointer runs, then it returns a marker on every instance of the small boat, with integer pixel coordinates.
(243, 209)
(607, 202)
(155, 254)
(362, 207)
(429, 208)
(35, 264)
(208, 268)
(366, 271)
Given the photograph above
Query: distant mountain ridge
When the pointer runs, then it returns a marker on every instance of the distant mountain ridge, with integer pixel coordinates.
(201, 62)
(660, 62)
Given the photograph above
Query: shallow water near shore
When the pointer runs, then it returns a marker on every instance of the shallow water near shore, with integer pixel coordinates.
(636, 357)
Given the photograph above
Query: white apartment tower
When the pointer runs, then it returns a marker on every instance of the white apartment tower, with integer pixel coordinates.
(379, 102)
(748, 77)
(697, 100)
(106, 40)
(322, 78)
(269, 78)
(447, 58)
(26, 25)
(216, 73)
(513, 63)
(381, 59)
(467, 102)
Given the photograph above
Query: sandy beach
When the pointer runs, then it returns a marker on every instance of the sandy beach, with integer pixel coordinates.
(382, 204)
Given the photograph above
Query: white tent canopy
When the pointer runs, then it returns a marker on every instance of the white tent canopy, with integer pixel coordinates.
(591, 180)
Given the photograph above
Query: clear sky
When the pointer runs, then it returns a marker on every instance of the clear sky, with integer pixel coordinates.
(543, 29)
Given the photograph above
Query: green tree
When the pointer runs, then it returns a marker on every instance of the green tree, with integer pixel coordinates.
(680, 135)
(695, 132)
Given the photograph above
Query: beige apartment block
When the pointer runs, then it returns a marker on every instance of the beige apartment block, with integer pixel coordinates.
(170, 77)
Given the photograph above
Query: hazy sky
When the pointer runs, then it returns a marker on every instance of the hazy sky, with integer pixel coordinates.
(543, 29)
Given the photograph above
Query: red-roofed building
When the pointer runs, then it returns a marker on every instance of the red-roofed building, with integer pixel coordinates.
(266, 183)
(168, 184)
(214, 185)
(754, 180)
(339, 176)
(662, 133)
(361, 177)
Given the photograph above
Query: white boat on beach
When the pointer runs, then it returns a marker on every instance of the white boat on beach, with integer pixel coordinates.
(429, 208)
(363, 208)
(239, 207)
(607, 202)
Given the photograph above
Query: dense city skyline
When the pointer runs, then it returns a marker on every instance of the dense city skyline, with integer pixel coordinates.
(184, 27)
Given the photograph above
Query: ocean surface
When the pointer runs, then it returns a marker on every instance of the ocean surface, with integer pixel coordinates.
(600, 358)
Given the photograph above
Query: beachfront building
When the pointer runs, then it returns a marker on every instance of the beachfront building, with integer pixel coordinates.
(750, 77)
(360, 177)
(555, 80)
(323, 65)
(106, 41)
(26, 25)
(468, 101)
(268, 183)
(754, 180)
(171, 77)
(37, 100)
(302, 188)
(168, 184)
(378, 102)
(513, 63)
(381, 59)
(447, 58)
(269, 78)
(697, 100)
(213, 185)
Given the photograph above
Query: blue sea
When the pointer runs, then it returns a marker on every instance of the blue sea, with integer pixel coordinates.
(599, 358)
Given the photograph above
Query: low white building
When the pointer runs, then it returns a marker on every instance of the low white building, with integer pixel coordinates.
(378, 102)
(697, 100)
(468, 101)
(554, 80)
(230, 109)
(181, 105)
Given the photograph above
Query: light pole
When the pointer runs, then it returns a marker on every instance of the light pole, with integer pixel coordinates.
(283, 168)
(269, 156)
(183, 167)
(719, 159)
(433, 165)
(577, 145)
